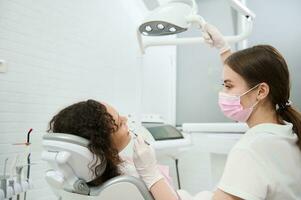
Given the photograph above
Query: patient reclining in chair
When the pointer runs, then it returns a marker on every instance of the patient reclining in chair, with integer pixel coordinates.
(107, 133)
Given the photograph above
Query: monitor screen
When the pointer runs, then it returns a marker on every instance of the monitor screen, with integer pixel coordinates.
(164, 132)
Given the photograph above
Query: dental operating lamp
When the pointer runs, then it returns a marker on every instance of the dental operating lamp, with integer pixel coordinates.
(177, 16)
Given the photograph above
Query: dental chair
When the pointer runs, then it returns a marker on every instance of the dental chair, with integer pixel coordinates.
(69, 160)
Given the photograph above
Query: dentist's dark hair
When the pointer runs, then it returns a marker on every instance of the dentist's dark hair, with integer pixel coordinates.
(264, 63)
(90, 119)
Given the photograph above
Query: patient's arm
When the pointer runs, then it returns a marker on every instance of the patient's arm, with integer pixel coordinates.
(162, 191)
(221, 195)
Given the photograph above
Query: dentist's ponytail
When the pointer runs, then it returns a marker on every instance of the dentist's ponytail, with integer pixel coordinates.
(290, 114)
(264, 63)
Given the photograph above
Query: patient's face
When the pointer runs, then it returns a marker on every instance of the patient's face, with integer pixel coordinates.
(121, 137)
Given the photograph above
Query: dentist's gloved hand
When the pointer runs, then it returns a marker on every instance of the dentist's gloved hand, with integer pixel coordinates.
(214, 38)
(145, 162)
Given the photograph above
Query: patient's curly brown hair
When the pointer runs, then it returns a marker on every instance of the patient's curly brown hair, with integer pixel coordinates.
(90, 119)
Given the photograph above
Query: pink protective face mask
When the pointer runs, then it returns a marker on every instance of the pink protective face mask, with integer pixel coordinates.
(231, 107)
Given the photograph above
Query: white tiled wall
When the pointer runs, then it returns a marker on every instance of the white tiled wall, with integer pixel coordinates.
(60, 52)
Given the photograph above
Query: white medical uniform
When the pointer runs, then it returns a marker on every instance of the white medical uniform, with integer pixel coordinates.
(264, 164)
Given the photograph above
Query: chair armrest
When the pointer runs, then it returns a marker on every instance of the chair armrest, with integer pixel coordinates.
(95, 191)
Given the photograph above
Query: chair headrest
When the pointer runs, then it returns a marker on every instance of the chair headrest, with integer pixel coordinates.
(72, 151)
(73, 139)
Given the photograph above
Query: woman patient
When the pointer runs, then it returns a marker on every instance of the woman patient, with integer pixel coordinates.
(107, 133)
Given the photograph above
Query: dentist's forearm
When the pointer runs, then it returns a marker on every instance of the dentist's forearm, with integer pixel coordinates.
(162, 191)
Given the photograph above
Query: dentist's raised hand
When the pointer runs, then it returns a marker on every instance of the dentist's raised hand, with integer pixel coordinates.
(214, 38)
(145, 162)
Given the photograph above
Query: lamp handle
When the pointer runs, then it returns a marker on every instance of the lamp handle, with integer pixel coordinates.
(196, 19)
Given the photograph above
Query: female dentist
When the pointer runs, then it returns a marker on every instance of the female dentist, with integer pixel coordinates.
(266, 162)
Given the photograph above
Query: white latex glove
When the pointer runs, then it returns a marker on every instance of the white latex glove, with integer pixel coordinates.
(214, 38)
(145, 162)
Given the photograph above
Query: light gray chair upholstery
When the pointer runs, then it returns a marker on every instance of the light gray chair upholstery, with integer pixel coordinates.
(69, 158)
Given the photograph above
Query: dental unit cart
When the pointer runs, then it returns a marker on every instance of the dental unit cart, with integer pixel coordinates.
(164, 136)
